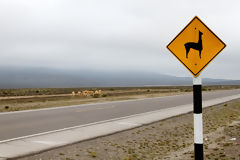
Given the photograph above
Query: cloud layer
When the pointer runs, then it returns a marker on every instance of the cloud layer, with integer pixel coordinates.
(113, 35)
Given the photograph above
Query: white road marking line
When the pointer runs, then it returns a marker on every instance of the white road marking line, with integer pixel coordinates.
(84, 105)
(75, 127)
(110, 120)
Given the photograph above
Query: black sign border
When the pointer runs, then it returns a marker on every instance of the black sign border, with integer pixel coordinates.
(197, 74)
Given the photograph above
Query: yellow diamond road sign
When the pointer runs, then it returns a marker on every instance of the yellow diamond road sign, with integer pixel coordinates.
(196, 46)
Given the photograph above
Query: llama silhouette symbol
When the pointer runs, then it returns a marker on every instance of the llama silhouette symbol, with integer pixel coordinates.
(197, 46)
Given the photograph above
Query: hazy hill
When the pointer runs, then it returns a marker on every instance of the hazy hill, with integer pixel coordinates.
(39, 77)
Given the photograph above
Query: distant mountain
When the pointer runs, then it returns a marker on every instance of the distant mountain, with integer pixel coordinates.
(225, 82)
(43, 78)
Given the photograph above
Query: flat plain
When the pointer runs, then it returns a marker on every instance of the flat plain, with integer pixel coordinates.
(35, 98)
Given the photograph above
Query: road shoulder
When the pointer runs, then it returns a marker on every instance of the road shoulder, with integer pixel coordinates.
(170, 138)
(38, 143)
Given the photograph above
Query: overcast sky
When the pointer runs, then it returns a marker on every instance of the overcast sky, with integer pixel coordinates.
(114, 35)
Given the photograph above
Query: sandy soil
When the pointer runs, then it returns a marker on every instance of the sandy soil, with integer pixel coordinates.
(35, 98)
(8, 104)
(167, 139)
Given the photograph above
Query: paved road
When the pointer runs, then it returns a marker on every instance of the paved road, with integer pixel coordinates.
(13, 125)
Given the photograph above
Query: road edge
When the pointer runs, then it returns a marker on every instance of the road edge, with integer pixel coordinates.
(33, 144)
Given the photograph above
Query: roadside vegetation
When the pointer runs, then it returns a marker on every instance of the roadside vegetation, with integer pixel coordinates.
(34, 98)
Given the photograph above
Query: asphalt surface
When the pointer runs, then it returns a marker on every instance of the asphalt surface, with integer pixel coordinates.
(18, 124)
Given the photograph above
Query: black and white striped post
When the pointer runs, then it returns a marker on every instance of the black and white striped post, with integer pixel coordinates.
(198, 123)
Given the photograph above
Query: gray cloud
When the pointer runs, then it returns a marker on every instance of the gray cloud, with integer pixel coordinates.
(112, 35)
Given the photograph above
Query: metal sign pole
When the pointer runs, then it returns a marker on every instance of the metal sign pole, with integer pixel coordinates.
(181, 47)
(198, 123)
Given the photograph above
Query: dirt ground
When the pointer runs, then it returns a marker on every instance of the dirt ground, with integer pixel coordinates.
(23, 99)
(167, 139)
(17, 104)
